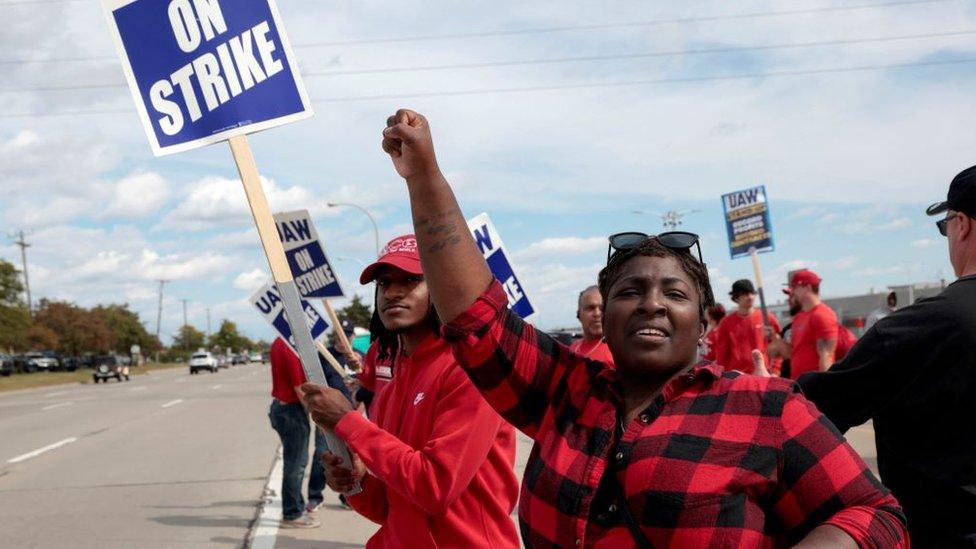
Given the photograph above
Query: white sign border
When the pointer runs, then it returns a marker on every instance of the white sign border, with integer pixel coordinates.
(109, 6)
(477, 220)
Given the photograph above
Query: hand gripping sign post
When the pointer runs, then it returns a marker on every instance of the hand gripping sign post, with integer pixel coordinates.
(490, 244)
(203, 71)
(750, 231)
(313, 273)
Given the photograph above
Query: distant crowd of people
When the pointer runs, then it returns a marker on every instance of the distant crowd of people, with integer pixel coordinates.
(670, 423)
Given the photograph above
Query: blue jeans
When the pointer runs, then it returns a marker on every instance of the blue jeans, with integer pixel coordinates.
(291, 423)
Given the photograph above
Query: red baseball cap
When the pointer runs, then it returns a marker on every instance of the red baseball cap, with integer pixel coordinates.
(401, 252)
(804, 277)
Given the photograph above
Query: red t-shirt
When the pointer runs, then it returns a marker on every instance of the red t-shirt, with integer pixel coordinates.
(707, 349)
(845, 340)
(596, 349)
(738, 336)
(286, 372)
(808, 327)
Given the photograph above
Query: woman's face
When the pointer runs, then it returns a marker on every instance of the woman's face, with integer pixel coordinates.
(652, 322)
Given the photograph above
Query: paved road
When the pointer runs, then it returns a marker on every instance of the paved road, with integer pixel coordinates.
(165, 460)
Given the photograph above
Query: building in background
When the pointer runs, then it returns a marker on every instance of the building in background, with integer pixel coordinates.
(853, 311)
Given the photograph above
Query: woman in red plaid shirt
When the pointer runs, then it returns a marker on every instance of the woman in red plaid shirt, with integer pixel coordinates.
(664, 450)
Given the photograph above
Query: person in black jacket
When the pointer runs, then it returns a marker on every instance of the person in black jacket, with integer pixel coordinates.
(914, 374)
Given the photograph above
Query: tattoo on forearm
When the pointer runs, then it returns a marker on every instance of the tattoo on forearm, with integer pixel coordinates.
(443, 228)
(826, 345)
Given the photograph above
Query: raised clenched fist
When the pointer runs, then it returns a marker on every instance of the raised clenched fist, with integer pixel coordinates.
(407, 140)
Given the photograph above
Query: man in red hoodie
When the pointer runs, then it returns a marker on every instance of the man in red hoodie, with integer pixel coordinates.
(440, 459)
(742, 331)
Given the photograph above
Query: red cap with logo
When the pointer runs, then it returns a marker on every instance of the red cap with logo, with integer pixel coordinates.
(805, 277)
(401, 252)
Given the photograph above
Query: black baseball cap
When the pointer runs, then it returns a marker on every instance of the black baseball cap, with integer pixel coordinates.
(961, 196)
(740, 287)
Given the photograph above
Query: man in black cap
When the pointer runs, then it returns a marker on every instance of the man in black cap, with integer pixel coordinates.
(742, 330)
(914, 374)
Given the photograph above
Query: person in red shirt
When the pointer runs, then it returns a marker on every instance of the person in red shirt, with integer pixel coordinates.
(707, 347)
(743, 331)
(813, 338)
(290, 420)
(440, 460)
(661, 450)
(589, 311)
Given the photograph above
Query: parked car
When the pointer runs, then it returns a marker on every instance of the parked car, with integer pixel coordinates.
(109, 366)
(34, 361)
(6, 364)
(255, 357)
(203, 361)
(239, 359)
(56, 357)
(223, 361)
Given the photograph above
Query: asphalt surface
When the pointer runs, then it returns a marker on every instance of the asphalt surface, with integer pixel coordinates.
(165, 460)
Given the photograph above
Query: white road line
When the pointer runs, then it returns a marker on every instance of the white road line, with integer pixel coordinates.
(58, 393)
(181, 380)
(40, 451)
(217, 386)
(265, 531)
(172, 403)
(140, 388)
(53, 406)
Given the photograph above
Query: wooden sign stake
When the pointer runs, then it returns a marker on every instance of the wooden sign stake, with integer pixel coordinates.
(290, 298)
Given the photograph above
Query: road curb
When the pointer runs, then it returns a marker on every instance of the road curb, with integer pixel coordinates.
(263, 530)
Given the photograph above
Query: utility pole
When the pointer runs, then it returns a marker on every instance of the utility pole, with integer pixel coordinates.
(208, 324)
(184, 312)
(23, 257)
(159, 311)
(184, 330)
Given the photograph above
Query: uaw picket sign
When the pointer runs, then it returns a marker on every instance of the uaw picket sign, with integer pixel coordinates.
(201, 71)
(267, 300)
(747, 221)
(306, 257)
(497, 257)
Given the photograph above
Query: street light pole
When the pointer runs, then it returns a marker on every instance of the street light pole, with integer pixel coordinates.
(376, 231)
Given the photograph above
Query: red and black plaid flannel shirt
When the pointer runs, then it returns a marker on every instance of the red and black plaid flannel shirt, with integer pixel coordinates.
(718, 460)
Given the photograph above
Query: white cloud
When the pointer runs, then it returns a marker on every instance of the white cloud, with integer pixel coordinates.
(561, 247)
(137, 195)
(923, 243)
(250, 281)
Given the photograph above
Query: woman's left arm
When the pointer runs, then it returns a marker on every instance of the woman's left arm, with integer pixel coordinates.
(827, 493)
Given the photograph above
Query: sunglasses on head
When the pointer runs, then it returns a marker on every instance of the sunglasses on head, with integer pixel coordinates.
(675, 240)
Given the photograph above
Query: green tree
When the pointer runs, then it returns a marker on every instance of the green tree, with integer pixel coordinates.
(229, 337)
(14, 323)
(78, 330)
(189, 339)
(127, 328)
(10, 285)
(356, 312)
(38, 337)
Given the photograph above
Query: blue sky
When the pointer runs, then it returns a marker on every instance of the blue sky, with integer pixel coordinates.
(850, 159)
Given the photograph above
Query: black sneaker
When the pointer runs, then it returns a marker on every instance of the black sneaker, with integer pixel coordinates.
(344, 503)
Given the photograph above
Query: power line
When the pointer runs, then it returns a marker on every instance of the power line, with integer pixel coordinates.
(593, 85)
(589, 58)
(23, 245)
(628, 24)
(510, 32)
(640, 55)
